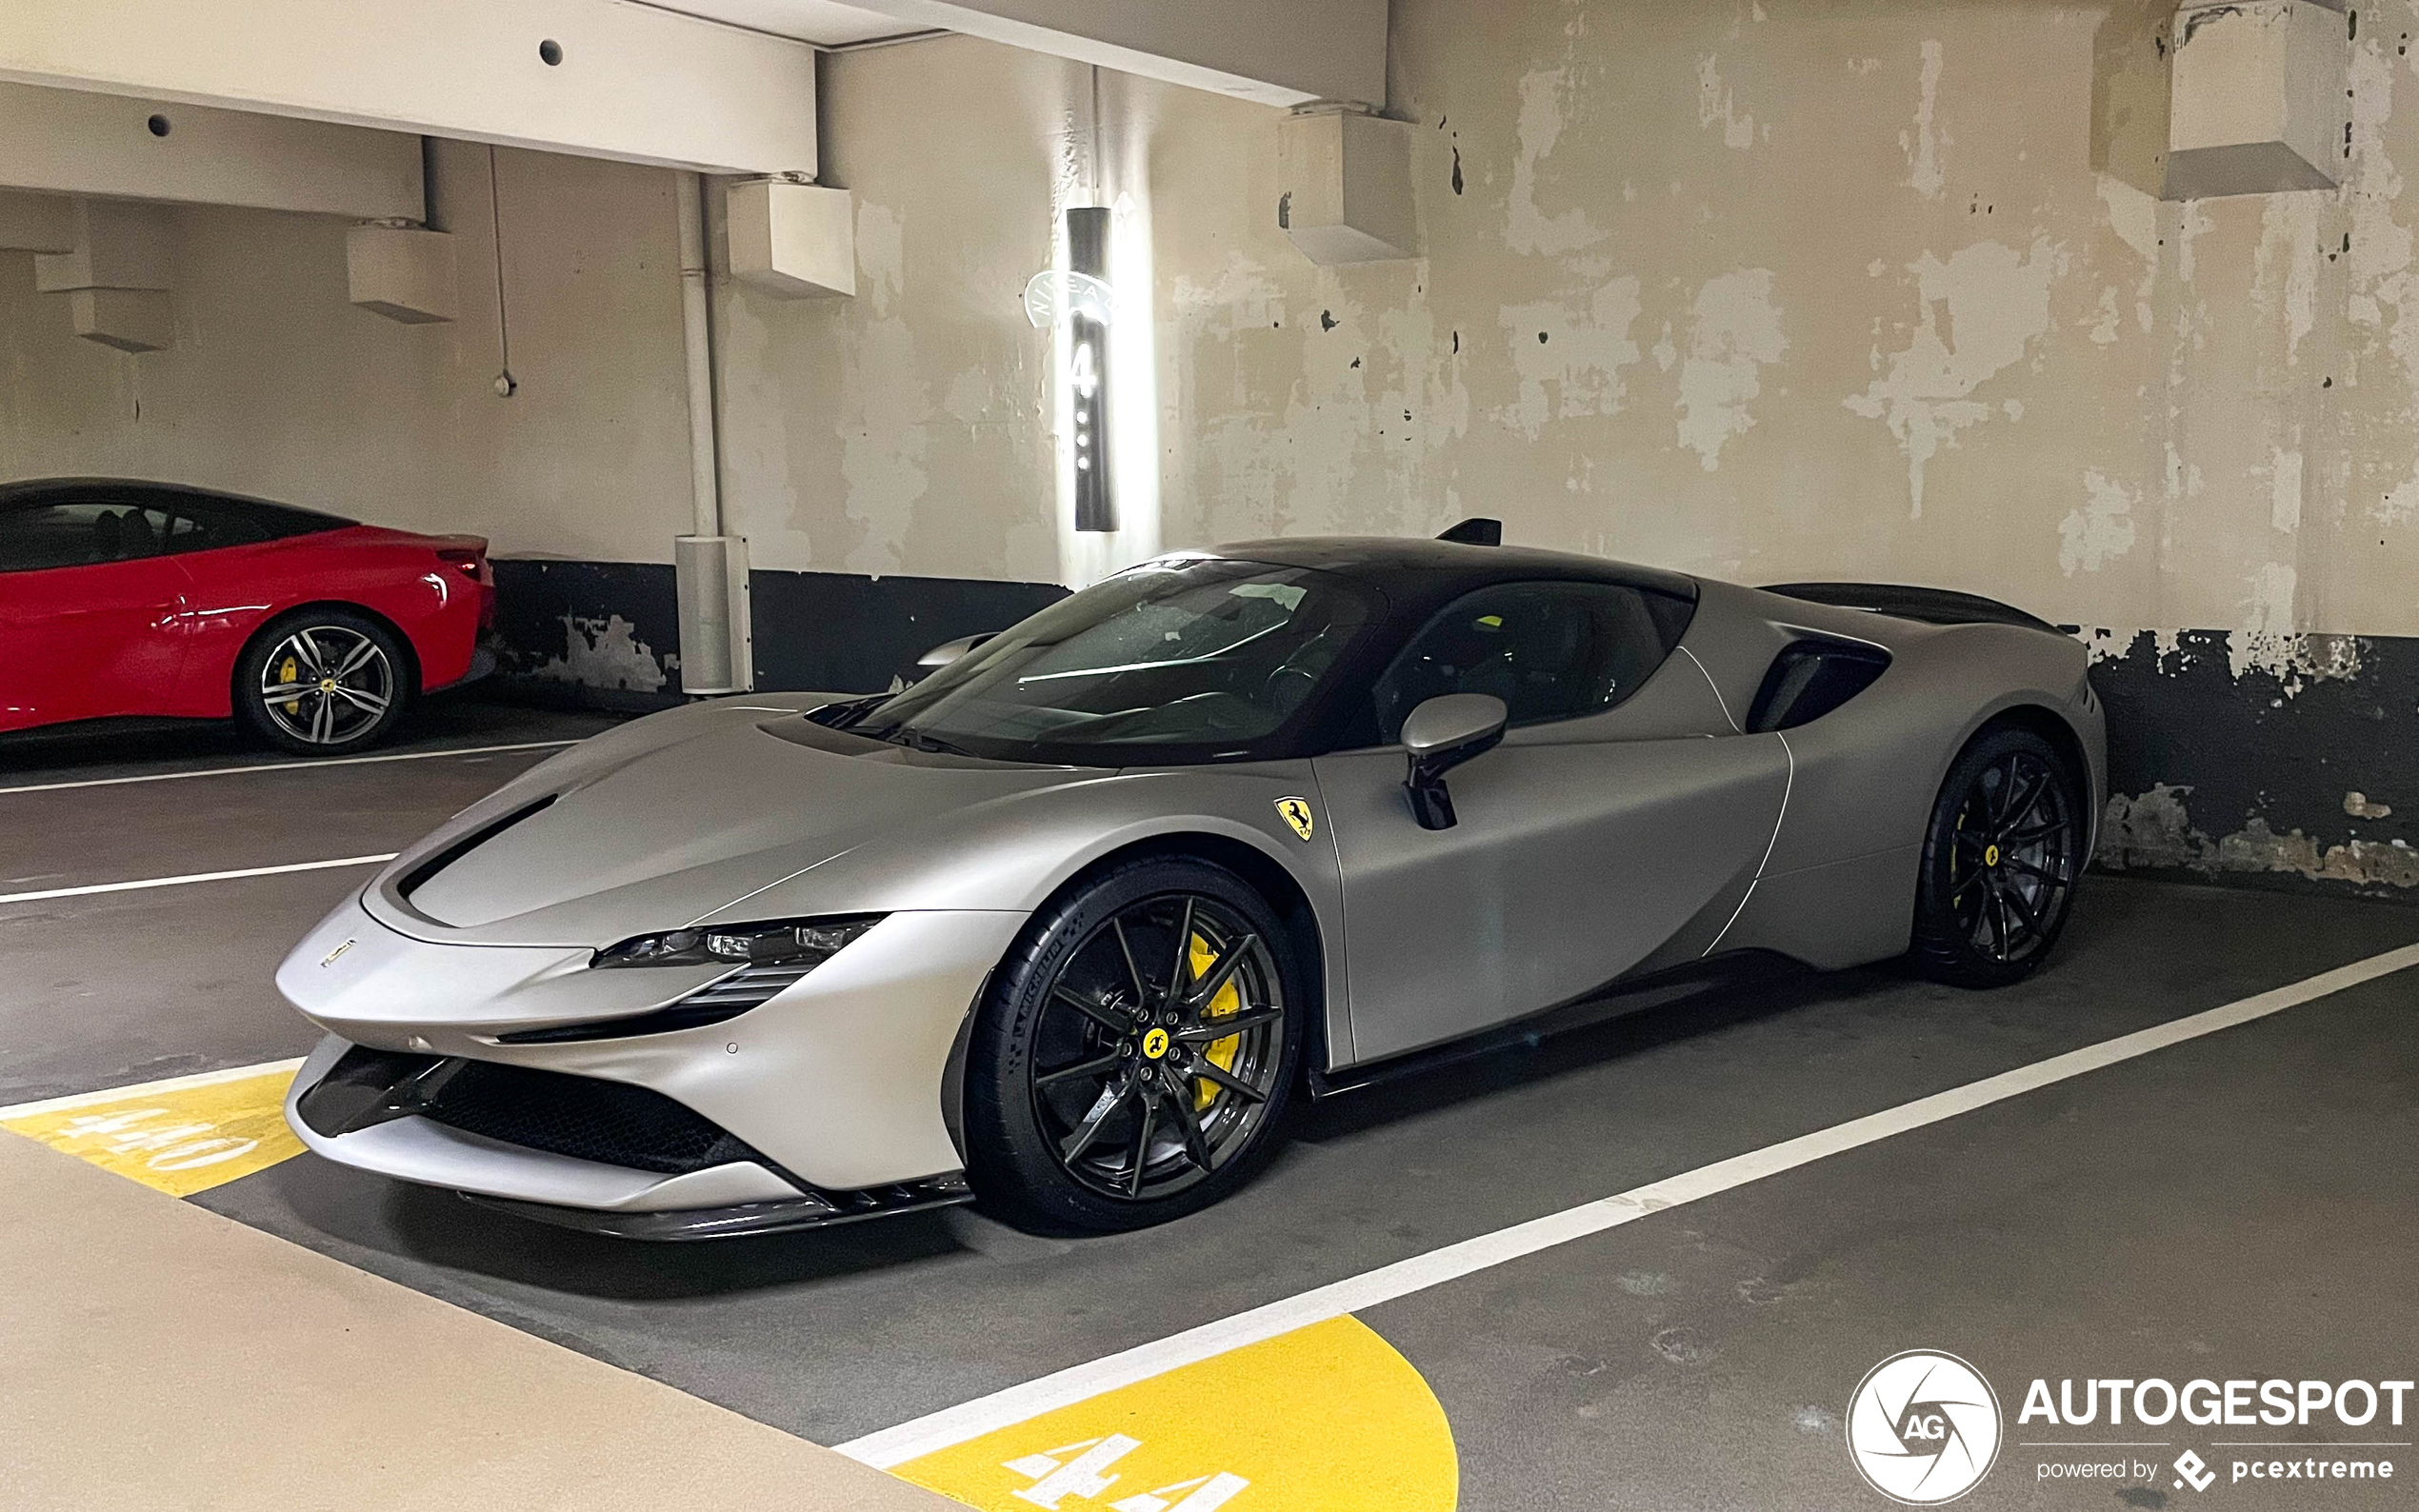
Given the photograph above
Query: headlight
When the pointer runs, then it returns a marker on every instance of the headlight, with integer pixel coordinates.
(769, 957)
(801, 943)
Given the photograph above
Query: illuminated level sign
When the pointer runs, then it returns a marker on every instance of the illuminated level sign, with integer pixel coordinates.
(1088, 371)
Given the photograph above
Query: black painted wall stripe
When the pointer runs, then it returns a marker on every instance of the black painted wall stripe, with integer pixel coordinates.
(2299, 772)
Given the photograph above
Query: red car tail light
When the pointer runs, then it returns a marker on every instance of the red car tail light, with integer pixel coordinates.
(471, 564)
(470, 558)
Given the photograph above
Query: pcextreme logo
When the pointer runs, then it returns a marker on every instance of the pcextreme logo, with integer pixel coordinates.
(1923, 1428)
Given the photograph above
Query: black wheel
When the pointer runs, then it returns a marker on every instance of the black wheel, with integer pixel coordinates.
(323, 682)
(2000, 861)
(1136, 1053)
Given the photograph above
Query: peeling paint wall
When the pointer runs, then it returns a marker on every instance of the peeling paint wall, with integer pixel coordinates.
(1874, 291)
(910, 430)
(1771, 289)
(1760, 289)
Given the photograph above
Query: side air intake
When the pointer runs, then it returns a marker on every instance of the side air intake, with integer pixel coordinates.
(1809, 679)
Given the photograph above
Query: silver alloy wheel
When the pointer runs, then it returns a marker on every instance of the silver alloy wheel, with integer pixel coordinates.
(325, 685)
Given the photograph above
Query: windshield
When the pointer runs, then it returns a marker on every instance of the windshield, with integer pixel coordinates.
(1168, 663)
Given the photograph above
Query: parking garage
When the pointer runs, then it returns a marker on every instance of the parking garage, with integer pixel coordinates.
(551, 817)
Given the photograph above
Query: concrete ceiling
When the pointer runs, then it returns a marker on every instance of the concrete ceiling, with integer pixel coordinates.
(818, 21)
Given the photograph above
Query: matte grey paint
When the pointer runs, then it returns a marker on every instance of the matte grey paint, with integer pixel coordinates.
(1588, 849)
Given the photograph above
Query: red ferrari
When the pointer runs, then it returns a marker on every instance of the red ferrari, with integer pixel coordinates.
(140, 598)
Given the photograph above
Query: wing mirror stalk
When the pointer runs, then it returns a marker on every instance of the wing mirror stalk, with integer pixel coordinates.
(947, 651)
(1440, 735)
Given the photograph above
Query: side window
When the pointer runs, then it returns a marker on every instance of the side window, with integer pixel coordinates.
(1550, 650)
(206, 525)
(81, 532)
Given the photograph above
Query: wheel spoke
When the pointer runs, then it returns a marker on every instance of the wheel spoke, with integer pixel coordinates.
(1995, 913)
(287, 692)
(1180, 1101)
(1180, 975)
(1208, 1031)
(323, 720)
(1125, 948)
(1100, 1013)
(1112, 1098)
(1069, 1073)
(2052, 878)
(1217, 1075)
(368, 702)
(355, 658)
(2030, 919)
(2037, 833)
(1142, 1138)
(2029, 799)
(306, 651)
(1217, 975)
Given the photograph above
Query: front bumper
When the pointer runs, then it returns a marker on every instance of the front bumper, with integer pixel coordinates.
(604, 1157)
(831, 1090)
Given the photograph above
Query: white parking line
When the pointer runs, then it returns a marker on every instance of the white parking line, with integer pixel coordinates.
(173, 1084)
(290, 767)
(954, 1425)
(198, 876)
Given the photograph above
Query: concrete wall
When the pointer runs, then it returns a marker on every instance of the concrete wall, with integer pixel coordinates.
(1768, 289)
(278, 387)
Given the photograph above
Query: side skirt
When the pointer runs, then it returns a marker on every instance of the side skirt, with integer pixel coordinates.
(1613, 1001)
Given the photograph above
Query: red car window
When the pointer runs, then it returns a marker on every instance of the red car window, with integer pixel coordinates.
(83, 533)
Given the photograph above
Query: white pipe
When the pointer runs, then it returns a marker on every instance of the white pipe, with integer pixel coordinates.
(697, 336)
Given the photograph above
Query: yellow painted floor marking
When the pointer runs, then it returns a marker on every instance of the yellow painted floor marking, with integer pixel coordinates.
(177, 1139)
(1326, 1419)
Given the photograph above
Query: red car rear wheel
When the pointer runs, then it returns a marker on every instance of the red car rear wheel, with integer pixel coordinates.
(323, 682)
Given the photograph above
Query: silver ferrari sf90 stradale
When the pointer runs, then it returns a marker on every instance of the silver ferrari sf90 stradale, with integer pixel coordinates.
(1069, 926)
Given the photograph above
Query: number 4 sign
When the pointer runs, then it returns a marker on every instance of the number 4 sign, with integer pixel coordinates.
(1055, 1478)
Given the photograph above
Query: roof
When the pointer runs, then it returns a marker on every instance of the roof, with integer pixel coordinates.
(1450, 566)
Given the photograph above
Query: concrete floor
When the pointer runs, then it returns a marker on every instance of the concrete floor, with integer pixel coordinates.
(2238, 1205)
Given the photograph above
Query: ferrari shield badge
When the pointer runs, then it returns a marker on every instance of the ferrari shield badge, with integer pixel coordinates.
(1296, 812)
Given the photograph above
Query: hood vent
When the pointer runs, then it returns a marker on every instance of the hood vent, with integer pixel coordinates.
(421, 875)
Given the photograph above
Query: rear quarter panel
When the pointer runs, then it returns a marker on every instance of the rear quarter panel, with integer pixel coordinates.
(392, 573)
(1839, 887)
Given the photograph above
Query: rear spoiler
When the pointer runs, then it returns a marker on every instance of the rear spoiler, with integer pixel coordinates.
(1930, 606)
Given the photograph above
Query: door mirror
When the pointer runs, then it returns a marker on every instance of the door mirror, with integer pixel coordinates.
(1440, 735)
(947, 651)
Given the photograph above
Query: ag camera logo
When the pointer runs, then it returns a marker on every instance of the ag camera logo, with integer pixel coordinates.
(1924, 1427)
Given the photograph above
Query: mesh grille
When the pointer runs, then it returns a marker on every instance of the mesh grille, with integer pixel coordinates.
(609, 1122)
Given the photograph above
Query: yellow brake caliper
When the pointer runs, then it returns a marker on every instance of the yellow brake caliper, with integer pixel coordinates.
(1220, 1053)
(286, 674)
